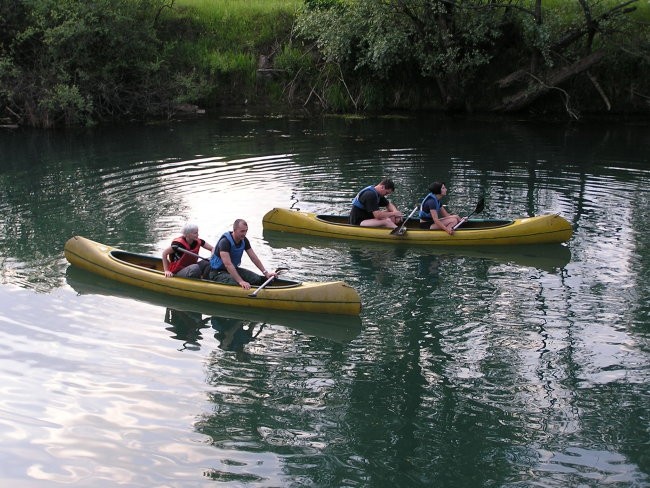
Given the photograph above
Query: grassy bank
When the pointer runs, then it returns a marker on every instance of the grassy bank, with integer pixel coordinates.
(226, 40)
(238, 25)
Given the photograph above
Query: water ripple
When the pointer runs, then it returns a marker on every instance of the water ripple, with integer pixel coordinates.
(467, 367)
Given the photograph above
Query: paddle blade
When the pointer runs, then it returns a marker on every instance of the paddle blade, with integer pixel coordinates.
(479, 208)
(480, 205)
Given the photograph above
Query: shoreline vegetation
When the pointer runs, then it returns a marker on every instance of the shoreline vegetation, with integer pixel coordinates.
(77, 63)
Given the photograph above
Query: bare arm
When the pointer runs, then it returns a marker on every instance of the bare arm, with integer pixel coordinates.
(448, 228)
(165, 261)
(230, 267)
(257, 262)
(391, 211)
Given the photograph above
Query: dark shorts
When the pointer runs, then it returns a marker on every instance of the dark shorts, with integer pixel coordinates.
(194, 270)
(222, 276)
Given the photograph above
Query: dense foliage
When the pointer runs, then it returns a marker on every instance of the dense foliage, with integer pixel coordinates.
(477, 53)
(76, 62)
(69, 62)
(384, 39)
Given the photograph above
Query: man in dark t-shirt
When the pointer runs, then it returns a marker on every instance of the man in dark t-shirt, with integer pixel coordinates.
(365, 206)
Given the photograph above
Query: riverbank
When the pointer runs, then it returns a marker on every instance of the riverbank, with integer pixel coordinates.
(144, 60)
(578, 61)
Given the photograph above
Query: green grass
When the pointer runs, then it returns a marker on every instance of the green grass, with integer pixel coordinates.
(223, 39)
(213, 6)
(240, 24)
(571, 8)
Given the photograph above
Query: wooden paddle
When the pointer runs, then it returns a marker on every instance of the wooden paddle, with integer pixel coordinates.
(401, 230)
(277, 272)
(479, 208)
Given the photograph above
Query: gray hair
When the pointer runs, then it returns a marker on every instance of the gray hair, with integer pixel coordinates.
(187, 228)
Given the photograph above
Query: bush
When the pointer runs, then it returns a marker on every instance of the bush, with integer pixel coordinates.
(74, 62)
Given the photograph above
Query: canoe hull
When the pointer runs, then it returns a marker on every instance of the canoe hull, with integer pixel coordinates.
(542, 229)
(329, 297)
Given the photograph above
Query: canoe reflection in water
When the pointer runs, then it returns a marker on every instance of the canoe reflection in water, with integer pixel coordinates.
(372, 256)
(188, 319)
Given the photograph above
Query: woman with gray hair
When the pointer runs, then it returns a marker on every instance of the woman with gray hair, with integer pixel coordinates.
(181, 258)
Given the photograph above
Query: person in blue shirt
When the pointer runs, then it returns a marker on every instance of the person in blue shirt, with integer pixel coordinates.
(226, 258)
(432, 214)
(365, 206)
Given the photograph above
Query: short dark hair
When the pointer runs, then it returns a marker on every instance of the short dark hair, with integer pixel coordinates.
(436, 187)
(239, 222)
(388, 184)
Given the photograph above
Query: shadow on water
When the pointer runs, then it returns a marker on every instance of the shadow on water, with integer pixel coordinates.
(187, 321)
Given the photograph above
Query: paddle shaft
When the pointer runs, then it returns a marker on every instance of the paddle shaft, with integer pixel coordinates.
(178, 248)
(478, 209)
(254, 294)
(399, 230)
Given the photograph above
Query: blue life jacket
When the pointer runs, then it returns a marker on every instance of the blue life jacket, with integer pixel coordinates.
(356, 201)
(235, 252)
(427, 216)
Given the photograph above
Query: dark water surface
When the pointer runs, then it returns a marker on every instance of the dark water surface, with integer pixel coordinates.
(484, 367)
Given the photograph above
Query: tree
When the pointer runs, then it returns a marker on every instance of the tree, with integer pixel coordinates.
(435, 39)
(479, 51)
(600, 32)
(73, 62)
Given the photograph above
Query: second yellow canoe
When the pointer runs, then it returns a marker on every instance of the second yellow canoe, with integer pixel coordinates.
(542, 229)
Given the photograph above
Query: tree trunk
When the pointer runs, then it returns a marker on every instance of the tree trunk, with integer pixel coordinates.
(538, 87)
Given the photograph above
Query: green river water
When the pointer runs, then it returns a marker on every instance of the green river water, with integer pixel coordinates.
(489, 367)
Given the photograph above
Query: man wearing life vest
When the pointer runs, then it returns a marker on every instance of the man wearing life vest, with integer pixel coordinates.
(180, 259)
(226, 258)
(365, 206)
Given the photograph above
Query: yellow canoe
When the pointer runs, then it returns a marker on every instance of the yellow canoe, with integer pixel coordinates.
(542, 229)
(146, 272)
